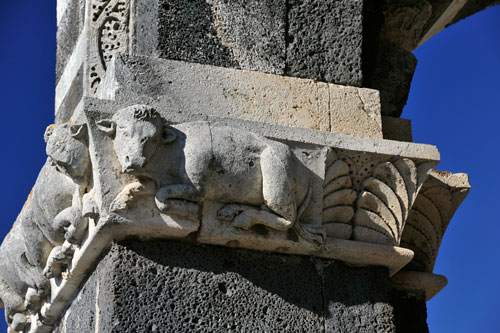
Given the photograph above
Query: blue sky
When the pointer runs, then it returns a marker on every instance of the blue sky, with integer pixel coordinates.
(454, 104)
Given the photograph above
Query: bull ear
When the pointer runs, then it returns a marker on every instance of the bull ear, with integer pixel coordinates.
(167, 134)
(107, 126)
(78, 131)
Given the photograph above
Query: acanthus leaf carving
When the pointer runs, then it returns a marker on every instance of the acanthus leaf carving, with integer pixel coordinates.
(435, 205)
(385, 199)
(338, 198)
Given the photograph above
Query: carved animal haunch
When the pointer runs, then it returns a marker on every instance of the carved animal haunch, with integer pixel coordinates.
(51, 215)
(261, 180)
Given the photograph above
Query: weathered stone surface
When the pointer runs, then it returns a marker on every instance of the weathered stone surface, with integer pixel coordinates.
(242, 34)
(164, 286)
(441, 195)
(69, 29)
(357, 300)
(193, 88)
(274, 188)
(169, 286)
(404, 22)
(324, 40)
(73, 98)
(392, 77)
(398, 129)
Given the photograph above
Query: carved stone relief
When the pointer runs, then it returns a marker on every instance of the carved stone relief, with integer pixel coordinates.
(203, 181)
(260, 180)
(109, 34)
(53, 219)
(441, 195)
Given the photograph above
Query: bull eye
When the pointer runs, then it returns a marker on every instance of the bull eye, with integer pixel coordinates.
(144, 140)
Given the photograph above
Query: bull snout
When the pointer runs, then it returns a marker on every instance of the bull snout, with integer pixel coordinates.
(133, 163)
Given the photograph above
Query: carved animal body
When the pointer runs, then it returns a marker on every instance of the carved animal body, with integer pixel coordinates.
(198, 161)
(52, 211)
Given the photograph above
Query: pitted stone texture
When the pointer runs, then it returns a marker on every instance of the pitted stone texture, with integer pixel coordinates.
(238, 34)
(392, 77)
(69, 29)
(357, 300)
(325, 40)
(174, 287)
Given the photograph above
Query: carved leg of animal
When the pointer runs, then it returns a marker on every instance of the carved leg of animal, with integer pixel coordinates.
(178, 199)
(59, 257)
(276, 187)
(251, 217)
(229, 212)
(19, 322)
(126, 197)
(13, 303)
(66, 218)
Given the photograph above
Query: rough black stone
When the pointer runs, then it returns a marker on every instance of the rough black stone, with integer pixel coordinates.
(68, 32)
(187, 32)
(325, 40)
(164, 286)
(410, 311)
(392, 76)
(174, 287)
(357, 300)
(237, 33)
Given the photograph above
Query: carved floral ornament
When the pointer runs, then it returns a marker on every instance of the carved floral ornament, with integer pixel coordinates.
(134, 173)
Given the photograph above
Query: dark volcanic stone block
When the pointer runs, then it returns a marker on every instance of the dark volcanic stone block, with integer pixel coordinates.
(410, 312)
(163, 286)
(68, 33)
(238, 34)
(174, 287)
(392, 76)
(325, 40)
(357, 300)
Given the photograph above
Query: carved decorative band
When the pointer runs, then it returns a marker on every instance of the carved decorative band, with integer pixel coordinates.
(135, 173)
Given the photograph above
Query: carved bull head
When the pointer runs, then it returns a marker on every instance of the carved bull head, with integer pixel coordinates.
(137, 131)
(67, 149)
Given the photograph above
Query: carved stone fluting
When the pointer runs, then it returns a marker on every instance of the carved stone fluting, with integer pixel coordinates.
(385, 199)
(52, 221)
(338, 198)
(437, 202)
(109, 34)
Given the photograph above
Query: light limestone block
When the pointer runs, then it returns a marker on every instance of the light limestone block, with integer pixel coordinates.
(194, 88)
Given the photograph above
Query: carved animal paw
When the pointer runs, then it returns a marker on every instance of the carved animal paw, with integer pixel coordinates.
(311, 232)
(59, 257)
(126, 197)
(229, 212)
(243, 221)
